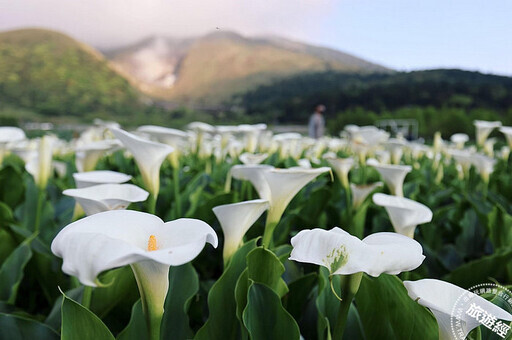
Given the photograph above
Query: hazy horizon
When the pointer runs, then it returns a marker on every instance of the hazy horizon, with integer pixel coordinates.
(399, 34)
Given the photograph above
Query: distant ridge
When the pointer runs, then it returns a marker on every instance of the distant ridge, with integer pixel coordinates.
(215, 66)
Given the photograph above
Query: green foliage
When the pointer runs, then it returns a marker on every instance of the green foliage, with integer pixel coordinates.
(80, 323)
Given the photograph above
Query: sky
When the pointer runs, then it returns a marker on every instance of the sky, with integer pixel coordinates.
(400, 34)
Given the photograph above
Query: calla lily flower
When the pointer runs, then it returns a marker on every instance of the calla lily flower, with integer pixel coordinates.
(344, 254)
(90, 178)
(41, 167)
(393, 175)
(277, 186)
(360, 192)
(396, 149)
(104, 197)
(9, 134)
(117, 238)
(507, 131)
(442, 297)
(252, 159)
(148, 155)
(459, 139)
(483, 129)
(88, 155)
(235, 219)
(341, 167)
(484, 165)
(173, 137)
(405, 214)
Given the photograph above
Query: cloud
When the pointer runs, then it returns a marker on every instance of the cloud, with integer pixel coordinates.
(117, 22)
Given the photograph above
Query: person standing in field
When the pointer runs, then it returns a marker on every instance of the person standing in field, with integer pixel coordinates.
(317, 122)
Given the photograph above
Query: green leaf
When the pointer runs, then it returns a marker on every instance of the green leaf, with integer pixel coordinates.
(54, 318)
(11, 186)
(499, 226)
(8, 245)
(11, 272)
(387, 311)
(265, 317)
(80, 323)
(120, 286)
(478, 271)
(183, 286)
(299, 294)
(13, 327)
(266, 268)
(326, 303)
(137, 328)
(222, 323)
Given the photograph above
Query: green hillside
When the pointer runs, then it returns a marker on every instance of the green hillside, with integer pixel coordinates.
(446, 100)
(53, 75)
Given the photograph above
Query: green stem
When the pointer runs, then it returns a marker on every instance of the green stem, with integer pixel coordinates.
(270, 226)
(39, 210)
(151, 204)
(86, 296)
(177, 196)
(349, 287)
(349, 206)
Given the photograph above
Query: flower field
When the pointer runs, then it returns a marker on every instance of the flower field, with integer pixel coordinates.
(233, 232)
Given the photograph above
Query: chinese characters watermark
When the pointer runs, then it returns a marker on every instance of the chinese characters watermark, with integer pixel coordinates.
(468, 308)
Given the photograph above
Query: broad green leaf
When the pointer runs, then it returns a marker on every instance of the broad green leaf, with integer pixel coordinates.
(359, 220)
(299, 294)
(479, 271)
(387, 311)
(266, 268)
(222, 323)
(8, 245)
(54, 318)
(471, 241)
(499, 226)
(183, 286)
(265, 317)
(326, 303)
(14, 327)
(11, 186)
(80, 323)
(11, 272)
(120, 286)
(137, 328)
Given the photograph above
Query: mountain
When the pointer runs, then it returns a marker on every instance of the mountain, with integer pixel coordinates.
(53, 74)
(217, 65)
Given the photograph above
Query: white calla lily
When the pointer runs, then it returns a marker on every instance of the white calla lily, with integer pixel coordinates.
(88, 155)
(459, 139)
(9, 134)
(405, 214)
(484, 165)
(90, 178)
(117, 238)
(344, 254)
(483, 129)
(341, 167)
(235, 219)
(360, 192)
(507, 132)
(40, 167)
(252, 159)
(393, 175)
(104, 197)
(277, 186)
(148, 155)
(441, 298)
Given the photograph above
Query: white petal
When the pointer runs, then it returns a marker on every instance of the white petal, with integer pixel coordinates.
(405, 214)
(442, 297)
(254, 174)
(9, 134)
(345, 254)
(393, 175)
(116, 238)
(103, 197)
(284, 184)
(235, 219)
(90, 178)
(148, 155)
